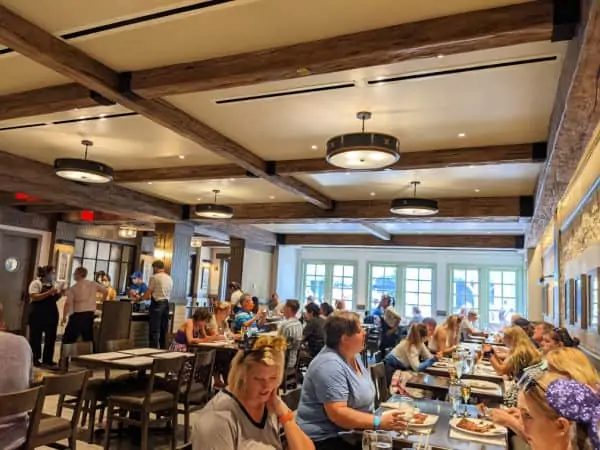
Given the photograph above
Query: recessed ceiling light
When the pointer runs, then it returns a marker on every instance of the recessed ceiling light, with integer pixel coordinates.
(477, 190)
(272, 197)
(149, 182)
(199, 198)
(372, 194)
(461, 135)
(440, 56)
(103, 115)
(471, 167)
(347, 173)
(314, 147)
(181, 156)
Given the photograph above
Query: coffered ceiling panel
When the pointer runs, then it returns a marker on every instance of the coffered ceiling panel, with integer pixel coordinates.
(490, 106)
(130, 142)
(233, 191)
(473, 181)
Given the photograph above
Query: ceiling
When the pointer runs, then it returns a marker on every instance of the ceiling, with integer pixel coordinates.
(481, 106)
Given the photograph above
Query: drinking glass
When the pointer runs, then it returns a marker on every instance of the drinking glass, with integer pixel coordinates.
(384, 440)
(469, 364)
(369, 439)
(465, 391)
(452, 372)
(459, 365)
(454, 395)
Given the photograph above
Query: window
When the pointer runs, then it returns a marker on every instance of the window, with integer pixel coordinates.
(343, 285)
(503, 295)
(465, 289)
(329, 282)
(314, 281)
(418, 289)
(117, 260)
(383, 280)
(594, 300)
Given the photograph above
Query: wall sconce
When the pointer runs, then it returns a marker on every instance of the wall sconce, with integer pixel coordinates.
(127, 232)
(545, 279)
(196, 241)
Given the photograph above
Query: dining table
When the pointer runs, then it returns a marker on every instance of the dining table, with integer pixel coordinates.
(441, 435)
(135, 359)
(487, 392)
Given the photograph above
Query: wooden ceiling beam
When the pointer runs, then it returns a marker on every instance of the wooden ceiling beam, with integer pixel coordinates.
(485, 209)
(222, 231)
(377, 231)
(38, 179)
(430, 159)
(33, 42)
(467, 32)
(575, 118)
(406, 240)
(471, 31)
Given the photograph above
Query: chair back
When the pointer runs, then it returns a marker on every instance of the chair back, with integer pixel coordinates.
(292, 398)
(117, 345)
(69, 350)
(74, 383)
(171, 368)
(115, 323)
(28, 401)
(382, 390)
(202, 369)
(171, 324)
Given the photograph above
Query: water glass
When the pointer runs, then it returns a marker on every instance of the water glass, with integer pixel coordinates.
(459, 365)
(369, 437)
(374, 440)
(455, 397)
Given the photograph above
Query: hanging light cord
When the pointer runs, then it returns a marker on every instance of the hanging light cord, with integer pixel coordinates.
(216, 191)
(86, 151)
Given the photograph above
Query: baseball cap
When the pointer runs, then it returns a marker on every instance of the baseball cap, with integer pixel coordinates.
(137, 275)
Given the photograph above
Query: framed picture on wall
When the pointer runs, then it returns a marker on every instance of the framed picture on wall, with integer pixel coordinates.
(205, 275)
(62, 266)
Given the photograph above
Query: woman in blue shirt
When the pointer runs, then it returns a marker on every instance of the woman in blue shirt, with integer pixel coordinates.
(338, 393)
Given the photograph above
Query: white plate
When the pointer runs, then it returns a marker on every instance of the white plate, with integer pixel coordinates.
(395, 405)
(483, 385)
(429, 422)
(497, 431)
(440, 364)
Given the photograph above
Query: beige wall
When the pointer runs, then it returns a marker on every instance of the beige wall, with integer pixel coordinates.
(257, 272)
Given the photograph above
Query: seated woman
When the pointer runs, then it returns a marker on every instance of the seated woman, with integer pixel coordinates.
(557, 338)
(446, 336)
(247, 415)
(193, 331)
(552, 420)
(409, 353)
(218, 322)
(338, 392)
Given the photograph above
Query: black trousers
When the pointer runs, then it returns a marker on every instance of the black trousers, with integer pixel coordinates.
(43, 321)
(80, 324)
(337, 443)
(158, 323)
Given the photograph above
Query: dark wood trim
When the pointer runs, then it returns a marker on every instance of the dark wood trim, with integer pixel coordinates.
(40, 46)
(583, 301)
(489, 209)
(430, 159)
(570, 302)
(402, 240)
(574, 118)
(471, 31)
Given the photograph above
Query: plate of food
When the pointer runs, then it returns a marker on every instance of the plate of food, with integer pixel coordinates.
(478, 427)
(482, 385)
(422, 420)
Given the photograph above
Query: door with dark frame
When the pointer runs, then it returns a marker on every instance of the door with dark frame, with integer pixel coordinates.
(17, 256)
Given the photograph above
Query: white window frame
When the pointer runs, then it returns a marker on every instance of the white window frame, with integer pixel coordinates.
(328, 284)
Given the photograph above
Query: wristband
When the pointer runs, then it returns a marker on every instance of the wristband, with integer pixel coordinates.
(285, 418)
(376, 422)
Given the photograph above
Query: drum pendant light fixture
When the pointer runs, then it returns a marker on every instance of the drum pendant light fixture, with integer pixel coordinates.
(414, 206)
(363, 151)
(213, 210)
(83, 170)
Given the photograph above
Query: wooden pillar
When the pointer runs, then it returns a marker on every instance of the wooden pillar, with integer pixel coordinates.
(237, 248)
(172, 245)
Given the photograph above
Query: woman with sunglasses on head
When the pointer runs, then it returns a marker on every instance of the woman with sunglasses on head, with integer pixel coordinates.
(557, 338)
(247, 415)
(559, 414)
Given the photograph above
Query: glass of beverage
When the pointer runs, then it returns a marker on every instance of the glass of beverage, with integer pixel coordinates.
(452, 372)
(458, 366)
(454, 395)
(369, 437)
(465, 391)
(469, 363)
(384, 440)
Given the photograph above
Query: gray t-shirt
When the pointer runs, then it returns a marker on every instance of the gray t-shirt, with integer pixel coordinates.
(161, 285)
(291, 329)
(330, 379)
(224, 424)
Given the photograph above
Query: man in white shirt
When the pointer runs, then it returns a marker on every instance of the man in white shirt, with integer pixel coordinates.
(81, 303)
(17, 366)
(236, 296)
(159, 291)
(468, 326)
(291, 329)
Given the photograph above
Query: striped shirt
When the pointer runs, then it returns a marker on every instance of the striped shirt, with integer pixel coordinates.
(292, 330)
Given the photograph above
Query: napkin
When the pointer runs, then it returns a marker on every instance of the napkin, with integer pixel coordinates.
(499, 441)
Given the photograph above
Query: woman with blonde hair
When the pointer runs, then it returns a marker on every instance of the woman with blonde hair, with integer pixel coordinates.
(446, 336)
(559, 414)
(247, 415)
(218, 322)
(409, 353)
(521, 354)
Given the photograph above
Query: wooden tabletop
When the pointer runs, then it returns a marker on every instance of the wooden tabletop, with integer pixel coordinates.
(132, 359)
(440, 384)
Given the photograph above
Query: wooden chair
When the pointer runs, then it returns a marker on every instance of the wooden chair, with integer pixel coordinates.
(291, 375)
(196, 391)
(382, 390)
(52, 429)
(20, 403)
(115, 325)
(292, 398)
(150, 400)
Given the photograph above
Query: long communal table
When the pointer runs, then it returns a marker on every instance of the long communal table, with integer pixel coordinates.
(135, 359)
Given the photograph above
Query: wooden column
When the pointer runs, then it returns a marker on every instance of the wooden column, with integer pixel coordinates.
(236, 260)
(172, 245)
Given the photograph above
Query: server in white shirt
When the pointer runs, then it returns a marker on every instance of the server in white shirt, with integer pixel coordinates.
(159, 291)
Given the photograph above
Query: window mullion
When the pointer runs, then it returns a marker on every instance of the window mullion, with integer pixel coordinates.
(484, 296)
